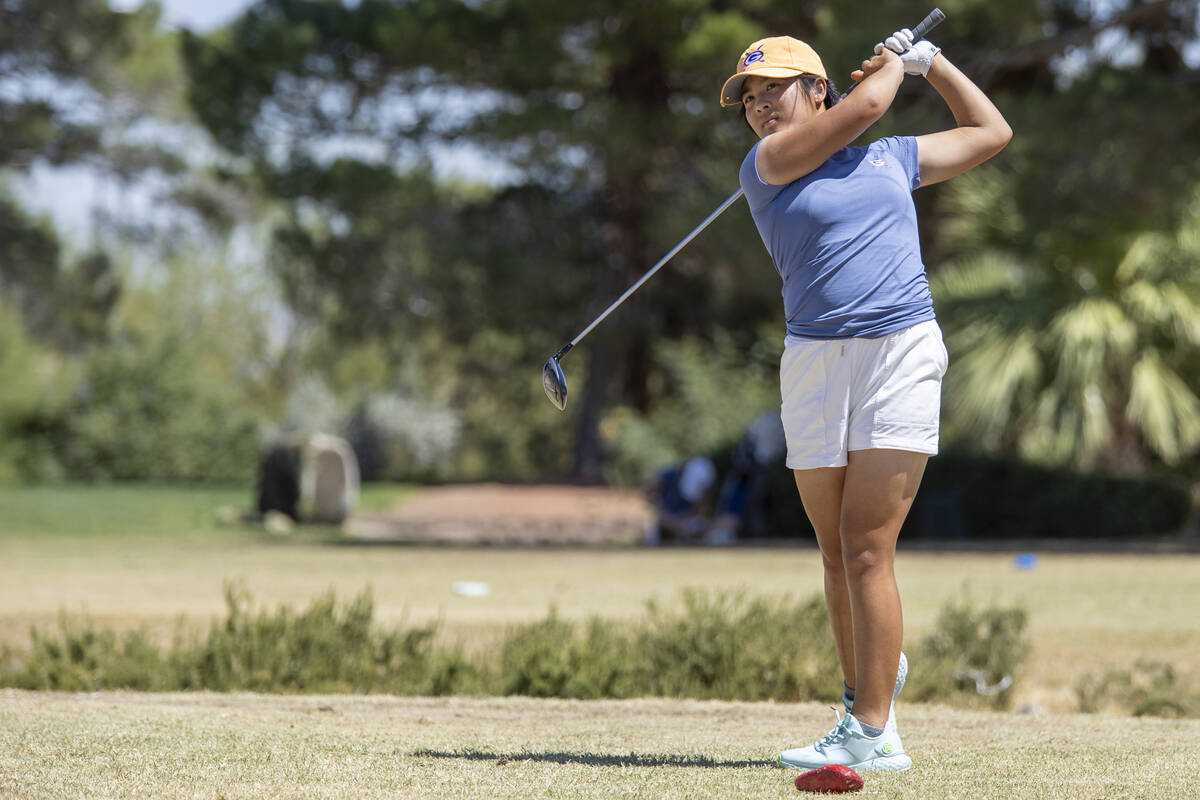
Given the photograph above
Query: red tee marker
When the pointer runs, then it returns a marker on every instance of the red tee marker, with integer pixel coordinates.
(833, 779)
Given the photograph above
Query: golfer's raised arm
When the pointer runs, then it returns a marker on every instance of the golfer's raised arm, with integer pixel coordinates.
(981, 132)
(796, 151)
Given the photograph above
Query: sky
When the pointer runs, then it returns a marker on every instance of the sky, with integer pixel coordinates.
(69, 194)
(198, 15)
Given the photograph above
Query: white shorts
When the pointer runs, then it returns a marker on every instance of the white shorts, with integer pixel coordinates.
(859, 394)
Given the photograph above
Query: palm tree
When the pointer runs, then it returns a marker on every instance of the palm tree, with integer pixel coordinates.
(1070, 359)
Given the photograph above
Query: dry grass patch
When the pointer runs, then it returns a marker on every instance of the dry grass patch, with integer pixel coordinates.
(124, 745)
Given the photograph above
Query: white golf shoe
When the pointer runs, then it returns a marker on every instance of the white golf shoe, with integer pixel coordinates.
(901, 677)
(847, 744)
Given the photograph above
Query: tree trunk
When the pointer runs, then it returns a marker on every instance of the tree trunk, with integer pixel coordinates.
(619, 353)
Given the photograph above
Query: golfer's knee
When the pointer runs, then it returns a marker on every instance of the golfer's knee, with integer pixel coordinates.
(833, 563)
(831, 553)
(862, 563)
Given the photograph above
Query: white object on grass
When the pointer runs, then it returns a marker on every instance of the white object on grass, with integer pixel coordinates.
(471, 588)
(981, 684)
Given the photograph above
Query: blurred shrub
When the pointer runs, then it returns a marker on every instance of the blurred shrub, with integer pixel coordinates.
(311, 406)
(716, 646)
(735, 647)
(987, 497)
(18, 390)
(399, 438)
(712, 646)
(727, 646)
(148, 407)
(326, 648)
(710, 393)
(168, 386)
(81, 658)
(966, 497)
(972, 658)
(556, 658)
(1150, 688)
(37, 387)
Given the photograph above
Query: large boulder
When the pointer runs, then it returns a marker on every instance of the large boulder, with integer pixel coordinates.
(311, 478)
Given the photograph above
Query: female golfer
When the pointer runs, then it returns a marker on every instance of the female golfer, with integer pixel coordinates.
(863, 362)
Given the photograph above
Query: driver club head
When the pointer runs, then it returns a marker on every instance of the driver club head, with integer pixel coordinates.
(555, 383)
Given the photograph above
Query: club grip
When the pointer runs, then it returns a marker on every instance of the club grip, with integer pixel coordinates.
(931, 21)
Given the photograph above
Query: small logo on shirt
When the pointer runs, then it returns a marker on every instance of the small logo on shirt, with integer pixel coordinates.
(878, 162)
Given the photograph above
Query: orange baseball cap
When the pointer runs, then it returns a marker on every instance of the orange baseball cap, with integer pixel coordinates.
(776, 57)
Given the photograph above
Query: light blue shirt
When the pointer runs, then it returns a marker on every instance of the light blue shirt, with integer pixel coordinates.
(844, 239)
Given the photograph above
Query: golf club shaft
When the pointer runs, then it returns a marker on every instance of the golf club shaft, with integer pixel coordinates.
(931, 21)
(721, 208)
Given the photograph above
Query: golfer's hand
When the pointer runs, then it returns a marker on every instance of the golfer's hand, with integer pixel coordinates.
(874, 64)
(899, 42)
(918, 57)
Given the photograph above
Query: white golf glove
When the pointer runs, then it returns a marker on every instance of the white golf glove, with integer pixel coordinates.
(916, 57)
(899, 42)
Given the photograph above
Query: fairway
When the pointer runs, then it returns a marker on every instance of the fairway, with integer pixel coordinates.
(123, 745)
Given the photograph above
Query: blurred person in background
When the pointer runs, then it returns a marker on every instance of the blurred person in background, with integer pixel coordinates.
(679, 496)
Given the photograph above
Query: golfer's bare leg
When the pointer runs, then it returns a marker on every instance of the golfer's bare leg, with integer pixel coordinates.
(877, 493)
(821, 494)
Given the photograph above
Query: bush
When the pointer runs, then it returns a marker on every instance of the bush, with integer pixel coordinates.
(985, 497)
(83, 659)
(716, 389)
(555, 658)
(717, 646)
(967, 497)
(323, 649)
(712, 646)
(326, 648)
(34, 385)
(733, 647)
(1150, 688)
(147, 408)
(973, 657)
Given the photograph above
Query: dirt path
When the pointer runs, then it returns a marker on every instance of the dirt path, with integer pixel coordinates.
(501, 514)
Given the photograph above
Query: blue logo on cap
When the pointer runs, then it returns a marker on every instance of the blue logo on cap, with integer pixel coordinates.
(757, 55)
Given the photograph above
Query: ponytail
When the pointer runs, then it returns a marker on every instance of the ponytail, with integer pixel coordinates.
(832, 95)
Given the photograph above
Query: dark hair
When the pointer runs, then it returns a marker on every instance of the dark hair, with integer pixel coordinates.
(832, 95)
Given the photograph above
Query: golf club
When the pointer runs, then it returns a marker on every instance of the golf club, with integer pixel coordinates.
(554, 381)
(931, 21)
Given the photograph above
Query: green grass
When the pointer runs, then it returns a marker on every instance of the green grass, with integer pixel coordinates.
(105, 511)
(125, 511)
(124, 745)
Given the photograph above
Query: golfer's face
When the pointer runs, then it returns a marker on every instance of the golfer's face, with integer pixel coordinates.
(772, 104)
